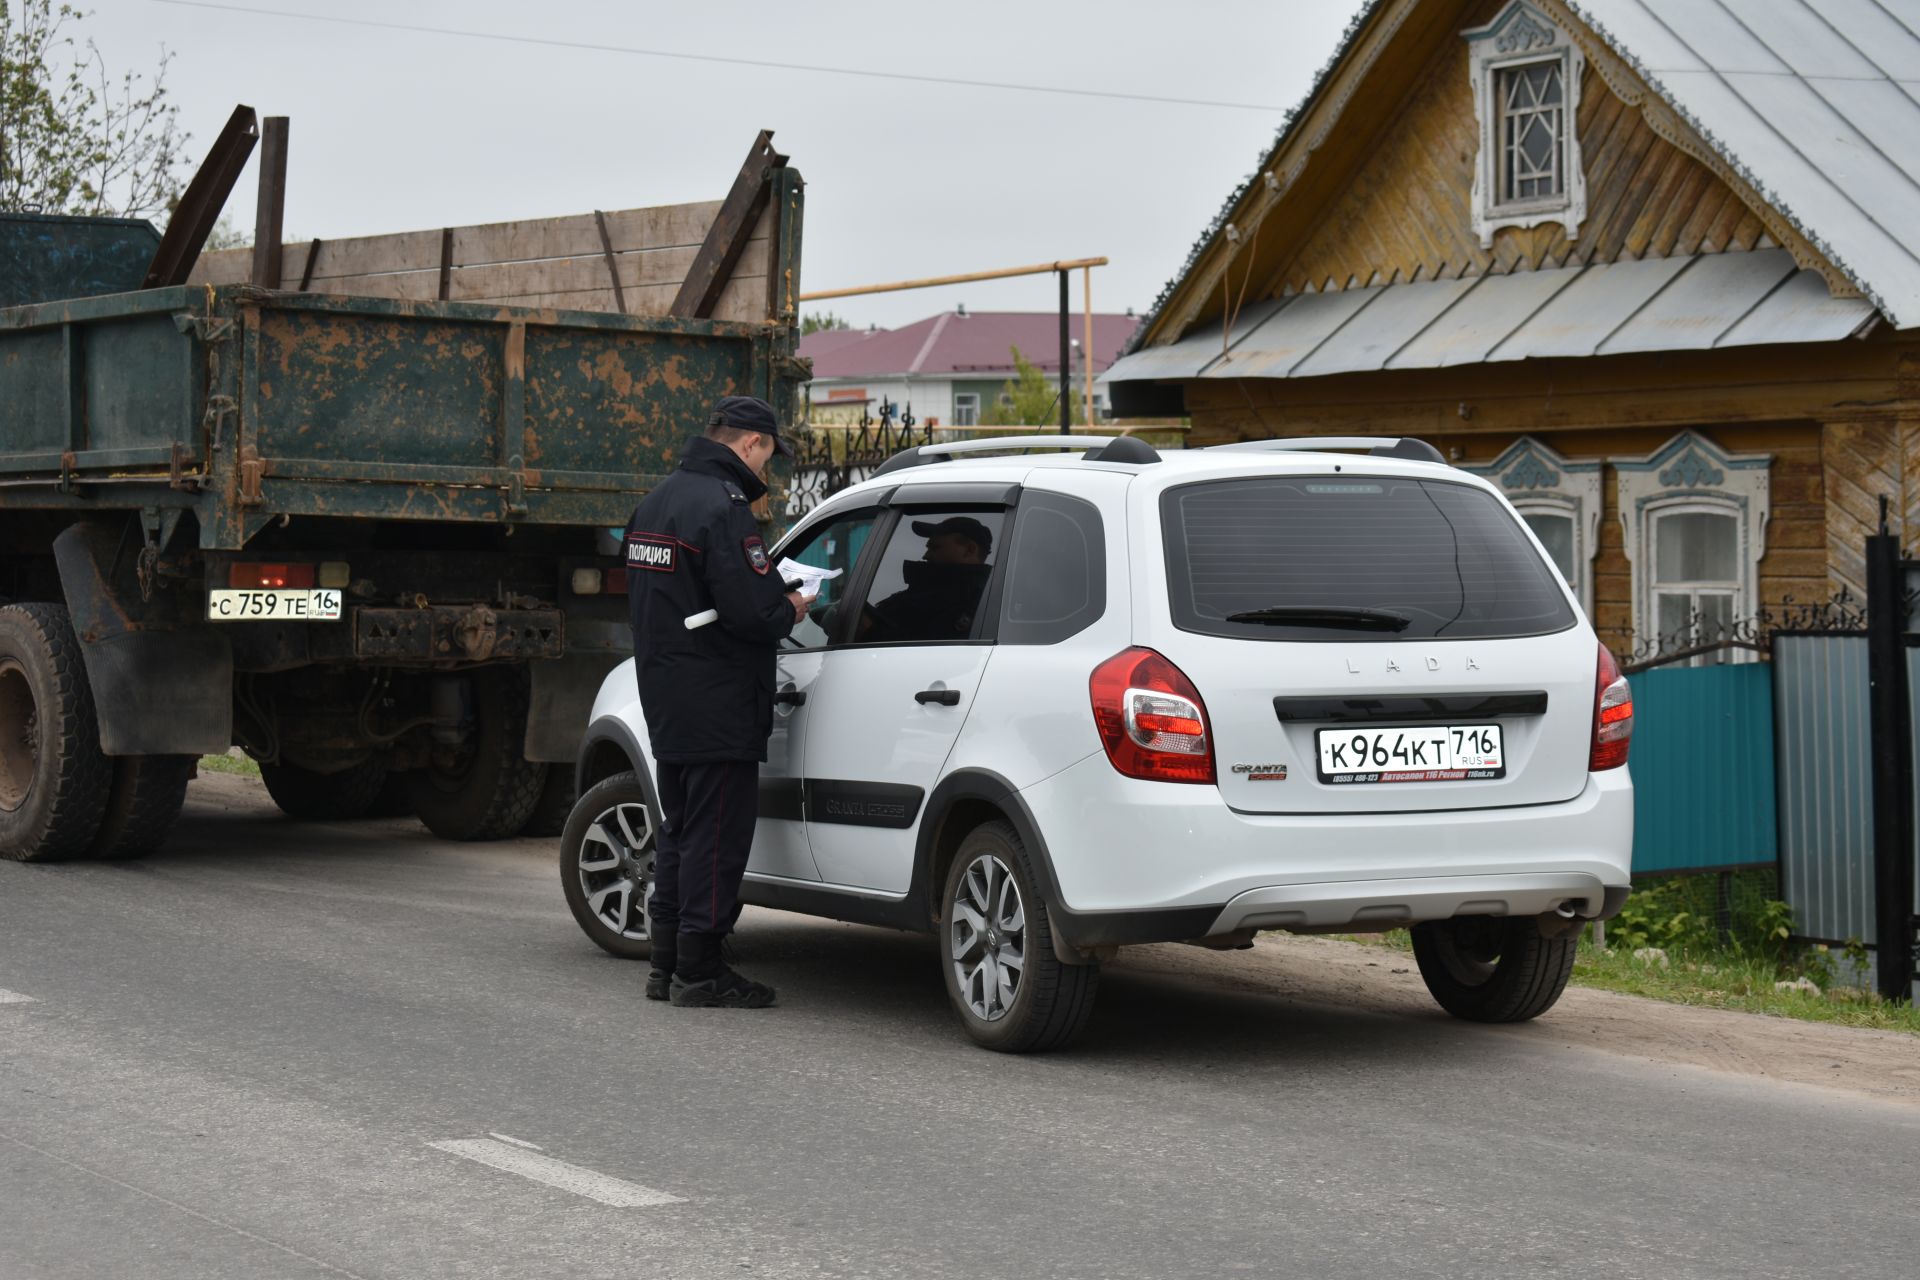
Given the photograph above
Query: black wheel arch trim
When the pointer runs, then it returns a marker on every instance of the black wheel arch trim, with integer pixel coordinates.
(1079, 930)
(611, 729)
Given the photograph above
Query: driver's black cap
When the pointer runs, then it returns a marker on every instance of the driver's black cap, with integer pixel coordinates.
(751, 413)
(960, 526)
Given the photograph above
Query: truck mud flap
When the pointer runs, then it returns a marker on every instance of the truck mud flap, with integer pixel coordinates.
(562, 702)
(458, 633)
(163, 682)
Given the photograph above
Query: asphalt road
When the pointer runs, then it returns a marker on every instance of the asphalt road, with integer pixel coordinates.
(233, 1061)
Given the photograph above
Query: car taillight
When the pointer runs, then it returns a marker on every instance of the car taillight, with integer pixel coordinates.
(257, 575)
(1151, 719)
(1612, 716)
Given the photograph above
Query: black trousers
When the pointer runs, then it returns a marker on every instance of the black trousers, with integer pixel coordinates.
(709, 812)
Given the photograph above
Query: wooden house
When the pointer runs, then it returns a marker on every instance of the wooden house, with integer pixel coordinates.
(1654, 267)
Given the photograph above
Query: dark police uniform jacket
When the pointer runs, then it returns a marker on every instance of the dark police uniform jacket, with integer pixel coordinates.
(692, 545)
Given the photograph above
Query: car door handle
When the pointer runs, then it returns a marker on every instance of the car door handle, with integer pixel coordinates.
(790, 698)
(945, 697)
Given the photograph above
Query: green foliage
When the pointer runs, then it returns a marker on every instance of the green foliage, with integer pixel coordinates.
(1030, 399)
(75, 138)
(241, 765)
(820, 322)
(1660, 917)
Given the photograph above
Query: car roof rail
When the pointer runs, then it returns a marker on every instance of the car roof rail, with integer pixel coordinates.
(1099, 449)
(1411, 448)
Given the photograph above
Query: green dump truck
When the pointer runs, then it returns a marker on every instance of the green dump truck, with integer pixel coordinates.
(360, 519)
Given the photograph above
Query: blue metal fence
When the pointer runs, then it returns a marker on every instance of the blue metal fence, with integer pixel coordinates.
(1703, 768)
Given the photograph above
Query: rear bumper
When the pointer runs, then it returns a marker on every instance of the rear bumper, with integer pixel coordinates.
(1137, 854)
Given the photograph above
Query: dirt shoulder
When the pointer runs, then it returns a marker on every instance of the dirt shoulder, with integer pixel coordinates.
(1877, 1064)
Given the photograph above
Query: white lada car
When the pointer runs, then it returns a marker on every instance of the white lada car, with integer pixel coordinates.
(1055, 704)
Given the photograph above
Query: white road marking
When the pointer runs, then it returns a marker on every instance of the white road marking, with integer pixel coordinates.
(518, 1142)
(617, 1192)
(14, 997)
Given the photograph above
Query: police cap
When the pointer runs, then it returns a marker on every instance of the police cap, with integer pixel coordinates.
(750, 413)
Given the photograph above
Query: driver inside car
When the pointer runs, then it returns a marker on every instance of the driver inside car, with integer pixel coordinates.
(943, 587)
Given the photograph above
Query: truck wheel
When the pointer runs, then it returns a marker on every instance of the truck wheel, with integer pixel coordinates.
(1492, 968)
(557, 795)
(1010, 990)
(142, 805)
(486, 789)
(606, 865)
(324, 797)
(53, 778)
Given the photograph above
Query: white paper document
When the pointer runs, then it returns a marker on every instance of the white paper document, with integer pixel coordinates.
(807, 576)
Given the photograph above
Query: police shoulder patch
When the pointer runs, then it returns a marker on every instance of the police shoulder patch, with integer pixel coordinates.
(757, 556)
(655, 551)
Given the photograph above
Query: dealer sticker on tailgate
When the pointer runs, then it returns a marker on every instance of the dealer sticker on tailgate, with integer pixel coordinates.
(261, 605)
(1418, 753)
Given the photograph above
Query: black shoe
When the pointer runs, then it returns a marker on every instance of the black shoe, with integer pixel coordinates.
(659, 984)
(727, 990)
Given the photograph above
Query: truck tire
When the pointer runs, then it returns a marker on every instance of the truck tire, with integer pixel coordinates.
(550, 813)
(489, 791)
(1493, 968)
(1010, 990)
(324, 797)
(53, 778)
(606, 865)
(142, 804)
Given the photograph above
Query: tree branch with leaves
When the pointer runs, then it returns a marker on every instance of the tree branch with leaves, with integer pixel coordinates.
(75, 137)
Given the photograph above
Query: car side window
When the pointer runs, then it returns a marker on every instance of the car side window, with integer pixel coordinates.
(1057, 574)
(930, 585)
(834, 544)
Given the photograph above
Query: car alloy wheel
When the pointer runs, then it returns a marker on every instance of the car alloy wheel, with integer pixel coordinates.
(615, 866)
(988, 937)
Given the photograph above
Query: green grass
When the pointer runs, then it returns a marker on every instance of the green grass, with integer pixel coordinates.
(242, 765)
(1724, 978)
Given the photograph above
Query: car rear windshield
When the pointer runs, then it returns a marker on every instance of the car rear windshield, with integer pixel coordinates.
(1349, 558)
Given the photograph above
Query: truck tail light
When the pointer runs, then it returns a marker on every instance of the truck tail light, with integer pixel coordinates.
(258, 575)
(1612, 715)
(616, 582)
(1151, 719)
(335, 574)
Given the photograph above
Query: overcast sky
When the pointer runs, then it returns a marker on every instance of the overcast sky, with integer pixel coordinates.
(394, 131)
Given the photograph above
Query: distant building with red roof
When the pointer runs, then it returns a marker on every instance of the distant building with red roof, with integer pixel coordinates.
(952, 367)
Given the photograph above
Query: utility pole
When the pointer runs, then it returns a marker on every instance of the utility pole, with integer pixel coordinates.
(1066, 359)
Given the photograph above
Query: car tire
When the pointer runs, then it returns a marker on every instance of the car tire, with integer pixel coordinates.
(54, 780)
(143, 803)
(555, 806)
(307, 796)
(606, 864)
(488, 789)
(1492, 968)
(993, 914)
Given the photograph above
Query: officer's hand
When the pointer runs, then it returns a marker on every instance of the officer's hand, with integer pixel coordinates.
(801, 606)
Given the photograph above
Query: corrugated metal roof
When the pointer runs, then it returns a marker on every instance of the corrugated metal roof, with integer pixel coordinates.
(1815, 102)
(976, 344)
(1657, 304)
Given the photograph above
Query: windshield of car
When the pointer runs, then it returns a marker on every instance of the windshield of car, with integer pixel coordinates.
(1347, 558)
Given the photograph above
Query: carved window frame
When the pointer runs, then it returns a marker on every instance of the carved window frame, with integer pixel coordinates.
(1692, 473)
(1537, 480)
(1523, 35)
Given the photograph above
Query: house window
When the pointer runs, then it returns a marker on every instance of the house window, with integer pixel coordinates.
(1533, 112)
(1526, 96)
(1560, 501)
(1694, 519)
(966, 409)
(1697, 585)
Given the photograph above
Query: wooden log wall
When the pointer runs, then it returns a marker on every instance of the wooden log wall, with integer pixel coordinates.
(547, 262)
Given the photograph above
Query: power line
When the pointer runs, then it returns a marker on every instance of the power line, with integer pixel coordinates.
(738, 62)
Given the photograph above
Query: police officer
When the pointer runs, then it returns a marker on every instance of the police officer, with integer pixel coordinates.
(692, 546)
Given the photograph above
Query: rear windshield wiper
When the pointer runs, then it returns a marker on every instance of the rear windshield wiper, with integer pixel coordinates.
(1348, 617)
